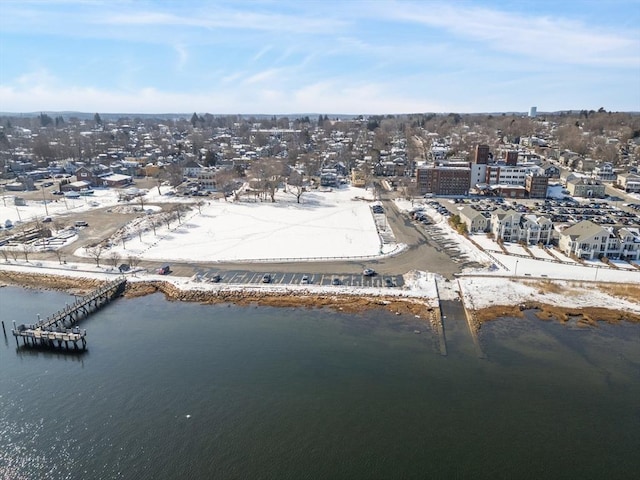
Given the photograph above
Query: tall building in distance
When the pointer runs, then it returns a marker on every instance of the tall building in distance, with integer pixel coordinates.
(533, 111)
(482, 155)
(511, 157)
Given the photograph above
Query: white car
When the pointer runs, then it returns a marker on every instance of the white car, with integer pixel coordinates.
(367, 272)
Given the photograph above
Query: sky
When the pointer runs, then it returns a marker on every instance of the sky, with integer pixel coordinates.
(318, 56)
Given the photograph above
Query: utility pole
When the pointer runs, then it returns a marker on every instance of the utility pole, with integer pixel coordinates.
(46, 210)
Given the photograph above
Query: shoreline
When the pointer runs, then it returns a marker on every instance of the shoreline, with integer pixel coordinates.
(416, 306)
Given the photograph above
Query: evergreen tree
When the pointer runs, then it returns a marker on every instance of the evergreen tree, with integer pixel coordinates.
(97, 119)
(45, 120)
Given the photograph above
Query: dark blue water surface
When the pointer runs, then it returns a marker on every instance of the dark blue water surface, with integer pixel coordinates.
(172, 390)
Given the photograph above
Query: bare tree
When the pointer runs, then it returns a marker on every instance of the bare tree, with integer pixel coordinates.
(225, 182)
(167, 217)
(95, 252)
(27, 248)
(114, 259)
(58, 254)
(269, 174)
(5, 254)
(133, 261)
(295, 184)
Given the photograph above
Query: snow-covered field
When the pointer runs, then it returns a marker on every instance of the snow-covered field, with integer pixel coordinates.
(336, 223)
(327, 224)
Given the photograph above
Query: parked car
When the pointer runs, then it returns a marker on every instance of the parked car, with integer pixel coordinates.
(368, 272)
(216, 278)
(81, 223)
(305, 280)
(336, 281)
(164, 270)
(266, 278)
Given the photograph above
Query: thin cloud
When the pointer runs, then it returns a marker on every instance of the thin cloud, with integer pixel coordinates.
(263, 51)
(183, 55)
(268, 75)
(217, 18)
(540, 37)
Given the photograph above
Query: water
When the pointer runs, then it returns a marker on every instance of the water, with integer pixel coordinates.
(172, 390)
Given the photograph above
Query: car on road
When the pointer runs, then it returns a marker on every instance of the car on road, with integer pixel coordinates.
(368, 272)
(266, 278)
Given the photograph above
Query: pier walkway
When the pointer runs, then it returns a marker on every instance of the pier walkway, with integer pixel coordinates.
(60, 329)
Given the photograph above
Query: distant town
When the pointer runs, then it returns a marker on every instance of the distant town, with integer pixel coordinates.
(568, 179)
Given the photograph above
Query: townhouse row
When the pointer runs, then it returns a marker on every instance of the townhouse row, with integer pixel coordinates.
(585, 239)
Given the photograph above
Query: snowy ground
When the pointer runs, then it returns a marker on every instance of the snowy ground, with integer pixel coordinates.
(335, 224)
(486, 292)
(331, 224)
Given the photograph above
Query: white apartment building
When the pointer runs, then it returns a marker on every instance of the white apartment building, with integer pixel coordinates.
(590, 241)
(502, 174)
(512, 226)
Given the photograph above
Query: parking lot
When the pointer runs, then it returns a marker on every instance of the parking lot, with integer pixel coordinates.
(558, 211)
(279, 278)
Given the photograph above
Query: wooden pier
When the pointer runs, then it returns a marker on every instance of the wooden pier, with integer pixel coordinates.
(60, 329)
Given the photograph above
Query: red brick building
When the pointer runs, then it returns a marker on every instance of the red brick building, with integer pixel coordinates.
(443, 180)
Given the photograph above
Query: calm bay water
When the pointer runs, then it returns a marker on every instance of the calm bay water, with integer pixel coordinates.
(172, 390)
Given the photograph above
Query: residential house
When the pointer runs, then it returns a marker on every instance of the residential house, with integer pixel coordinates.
(629, 182)
(503, 223)
(532, 229)
(191, 169)
(329, 177)
(585, 187)
(585, 165)
(207, 179)
(623, 243)
(93, 175)
(86, 174)
(604, 172)
(588, 240)
(550, 170)
(584, 240)
(116, 180)
(511, 226)
(475, 221)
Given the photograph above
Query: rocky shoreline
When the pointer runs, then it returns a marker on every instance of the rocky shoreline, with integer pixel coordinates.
(348, 303)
